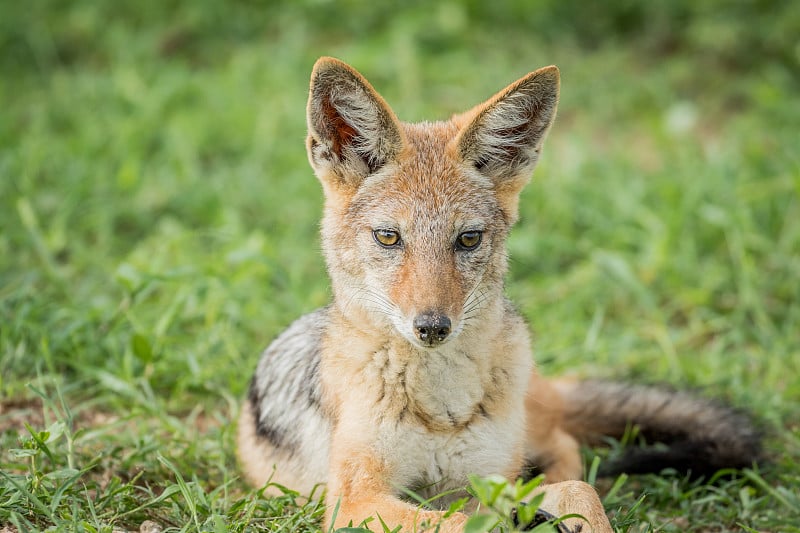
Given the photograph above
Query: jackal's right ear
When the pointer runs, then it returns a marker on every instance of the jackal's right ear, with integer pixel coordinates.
(352, 132)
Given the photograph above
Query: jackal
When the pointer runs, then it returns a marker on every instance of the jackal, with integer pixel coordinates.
(420, 371)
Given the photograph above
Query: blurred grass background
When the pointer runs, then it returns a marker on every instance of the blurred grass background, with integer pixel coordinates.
(158, 223)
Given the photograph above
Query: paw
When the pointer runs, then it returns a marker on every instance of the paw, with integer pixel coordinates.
(543, 517)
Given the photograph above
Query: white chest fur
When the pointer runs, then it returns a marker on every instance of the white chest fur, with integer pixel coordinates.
(431, 463)
(436, 425)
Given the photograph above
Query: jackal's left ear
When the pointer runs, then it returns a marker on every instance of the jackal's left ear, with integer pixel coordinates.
(503, 136)
(352, 132)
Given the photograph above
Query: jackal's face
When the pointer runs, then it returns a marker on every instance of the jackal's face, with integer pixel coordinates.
(416, 215)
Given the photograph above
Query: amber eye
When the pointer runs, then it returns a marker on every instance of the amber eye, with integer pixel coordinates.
(386, 237)
(469, 240)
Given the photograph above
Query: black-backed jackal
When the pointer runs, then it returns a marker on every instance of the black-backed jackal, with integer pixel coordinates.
(420, 372)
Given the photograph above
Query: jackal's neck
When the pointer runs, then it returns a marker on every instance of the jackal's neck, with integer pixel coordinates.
(473, 376)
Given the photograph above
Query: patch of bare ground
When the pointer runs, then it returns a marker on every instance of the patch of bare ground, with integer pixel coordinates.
(15, 413)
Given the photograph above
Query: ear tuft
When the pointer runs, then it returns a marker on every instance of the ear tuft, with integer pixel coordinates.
(352, 131)
(504, 137)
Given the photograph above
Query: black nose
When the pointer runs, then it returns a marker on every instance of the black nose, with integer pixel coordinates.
(431, 328)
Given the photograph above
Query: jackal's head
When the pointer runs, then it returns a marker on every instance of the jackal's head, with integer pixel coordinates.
(416, 215)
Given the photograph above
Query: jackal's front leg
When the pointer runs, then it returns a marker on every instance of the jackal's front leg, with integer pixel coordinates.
(359, 488)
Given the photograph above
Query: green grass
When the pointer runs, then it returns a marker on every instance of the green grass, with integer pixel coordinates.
(158, 226)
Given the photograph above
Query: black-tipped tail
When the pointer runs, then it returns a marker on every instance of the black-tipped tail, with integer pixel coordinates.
(697, 435)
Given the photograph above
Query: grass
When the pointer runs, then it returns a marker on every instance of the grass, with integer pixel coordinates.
(158, 226)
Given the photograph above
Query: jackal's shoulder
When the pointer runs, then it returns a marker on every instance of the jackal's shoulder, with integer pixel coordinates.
(296, 347)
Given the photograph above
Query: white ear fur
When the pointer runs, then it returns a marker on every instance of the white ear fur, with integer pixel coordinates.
(352, 132)
(504, 137)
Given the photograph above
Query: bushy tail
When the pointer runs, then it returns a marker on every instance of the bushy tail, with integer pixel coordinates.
(701, 436)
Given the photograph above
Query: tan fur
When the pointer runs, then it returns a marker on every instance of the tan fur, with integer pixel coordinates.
(420, 372)
(547, 439)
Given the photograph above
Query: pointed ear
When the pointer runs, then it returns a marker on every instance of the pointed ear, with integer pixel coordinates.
(504, 135)
(352, 132)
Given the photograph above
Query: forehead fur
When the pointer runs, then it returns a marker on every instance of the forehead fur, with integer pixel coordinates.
(429, 182)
